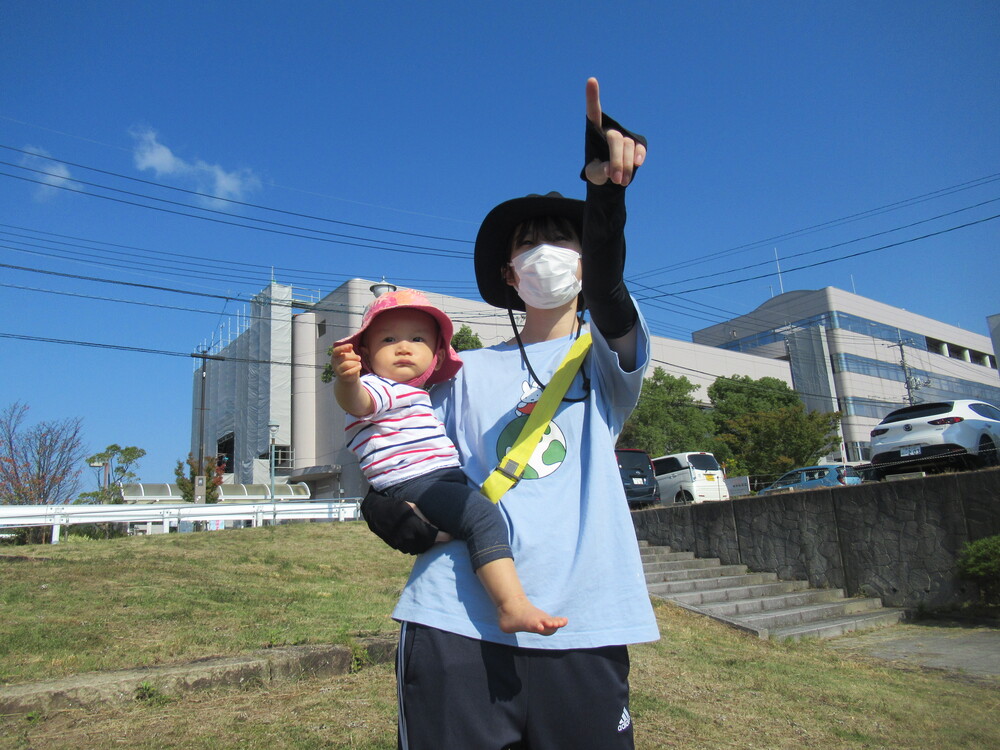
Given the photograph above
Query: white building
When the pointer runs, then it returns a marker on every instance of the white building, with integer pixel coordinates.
(269, 371)
(854, 355)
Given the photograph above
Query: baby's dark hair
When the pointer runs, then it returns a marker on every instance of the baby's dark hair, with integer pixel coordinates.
(544, 227)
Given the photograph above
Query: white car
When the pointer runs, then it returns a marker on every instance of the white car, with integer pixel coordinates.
(964, 430)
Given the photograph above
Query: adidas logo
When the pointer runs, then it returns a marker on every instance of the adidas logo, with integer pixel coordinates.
(626, 720)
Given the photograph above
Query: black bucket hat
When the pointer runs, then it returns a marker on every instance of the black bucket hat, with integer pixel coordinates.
(494, 238)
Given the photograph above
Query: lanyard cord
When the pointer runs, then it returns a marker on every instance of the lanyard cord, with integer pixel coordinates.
(531, 371)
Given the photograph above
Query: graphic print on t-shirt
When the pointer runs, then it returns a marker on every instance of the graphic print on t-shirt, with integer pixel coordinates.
(551, 449)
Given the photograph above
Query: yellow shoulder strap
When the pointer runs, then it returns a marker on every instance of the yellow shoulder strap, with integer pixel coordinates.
(510, 469)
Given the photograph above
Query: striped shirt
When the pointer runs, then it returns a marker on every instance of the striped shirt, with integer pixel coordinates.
(402, 438)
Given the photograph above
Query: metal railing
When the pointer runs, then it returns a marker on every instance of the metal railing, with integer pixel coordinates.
(160, 517)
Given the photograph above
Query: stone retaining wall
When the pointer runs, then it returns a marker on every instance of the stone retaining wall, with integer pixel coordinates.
(895, 540)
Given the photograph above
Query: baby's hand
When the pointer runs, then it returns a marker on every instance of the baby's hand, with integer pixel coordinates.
(346, 363)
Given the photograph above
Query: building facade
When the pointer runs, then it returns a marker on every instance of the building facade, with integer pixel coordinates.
(860, 357)
(269, 371)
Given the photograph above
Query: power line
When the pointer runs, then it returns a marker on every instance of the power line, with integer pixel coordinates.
(279, 303)
(836, 245)
(208, 262)
(146, 350)
(228, 200)
(839, 258)
(328, 236)
(651, 299)
(978, 182)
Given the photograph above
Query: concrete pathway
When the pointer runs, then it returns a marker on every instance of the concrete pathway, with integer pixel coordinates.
(965, 649)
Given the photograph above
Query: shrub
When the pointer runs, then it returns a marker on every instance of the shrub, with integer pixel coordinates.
(979, 561)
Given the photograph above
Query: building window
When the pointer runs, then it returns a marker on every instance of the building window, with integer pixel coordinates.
(224, 449)
(283, 457)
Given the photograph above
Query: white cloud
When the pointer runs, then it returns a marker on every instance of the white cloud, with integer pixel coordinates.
(52, 174)
(198, 175)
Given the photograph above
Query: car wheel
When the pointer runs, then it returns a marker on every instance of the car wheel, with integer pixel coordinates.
(987, 452)
(683, 497)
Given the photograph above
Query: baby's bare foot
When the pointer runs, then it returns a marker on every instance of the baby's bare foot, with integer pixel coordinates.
(520, 615)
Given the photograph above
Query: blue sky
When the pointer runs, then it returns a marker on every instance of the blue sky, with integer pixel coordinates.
(811, 130)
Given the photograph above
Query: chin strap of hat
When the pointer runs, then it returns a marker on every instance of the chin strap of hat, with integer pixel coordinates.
(511, 467)
(524, 354)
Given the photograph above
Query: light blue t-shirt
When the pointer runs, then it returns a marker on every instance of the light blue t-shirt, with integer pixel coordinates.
(571, 532)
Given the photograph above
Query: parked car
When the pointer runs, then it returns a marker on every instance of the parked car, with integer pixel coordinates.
(638, 480)
(810, 477)
(964, 431)
(692, 477)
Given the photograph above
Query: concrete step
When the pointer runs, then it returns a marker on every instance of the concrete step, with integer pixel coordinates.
(665, 567)
(773, 602)
(736, 593)
(667, 589)
(758, 602)
(835, 626)
(656, 556)
(808, 613)
(699, 569)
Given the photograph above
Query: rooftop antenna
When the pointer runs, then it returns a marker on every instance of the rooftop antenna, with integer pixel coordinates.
(781, 286)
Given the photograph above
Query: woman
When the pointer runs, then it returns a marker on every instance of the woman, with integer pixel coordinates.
(463, 683)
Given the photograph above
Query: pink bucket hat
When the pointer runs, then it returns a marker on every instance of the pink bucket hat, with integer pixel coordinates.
(414, 300)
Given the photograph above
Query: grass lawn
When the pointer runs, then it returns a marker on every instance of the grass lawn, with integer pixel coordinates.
(86, 606)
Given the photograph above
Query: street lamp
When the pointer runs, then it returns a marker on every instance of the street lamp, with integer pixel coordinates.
(103, 479)
(273, 427)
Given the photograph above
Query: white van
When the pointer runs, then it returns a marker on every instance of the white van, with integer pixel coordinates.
(694, 477)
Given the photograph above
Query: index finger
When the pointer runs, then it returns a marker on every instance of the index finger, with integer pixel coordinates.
(594, 102)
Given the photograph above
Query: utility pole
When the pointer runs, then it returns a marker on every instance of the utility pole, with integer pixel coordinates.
(199, 479)
(909, 380)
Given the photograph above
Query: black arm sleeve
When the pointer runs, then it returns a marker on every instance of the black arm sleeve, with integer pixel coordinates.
(607, 298)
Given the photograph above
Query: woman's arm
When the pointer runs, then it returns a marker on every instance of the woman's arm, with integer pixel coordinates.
(612, 155)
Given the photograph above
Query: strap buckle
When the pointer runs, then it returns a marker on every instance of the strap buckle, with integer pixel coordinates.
(504, 467)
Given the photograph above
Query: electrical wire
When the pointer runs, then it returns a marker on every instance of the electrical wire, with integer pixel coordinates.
(146, 350)
(325, 236)
(968, 185)
(232, 201)
(836, 245)
(842, 257)
(199, 264)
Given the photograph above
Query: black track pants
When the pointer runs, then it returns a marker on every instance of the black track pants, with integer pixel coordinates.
(458, 693)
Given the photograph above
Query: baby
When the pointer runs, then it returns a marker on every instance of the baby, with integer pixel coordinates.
(403, 345)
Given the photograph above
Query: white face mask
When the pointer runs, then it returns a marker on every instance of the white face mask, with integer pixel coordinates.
(546, 276)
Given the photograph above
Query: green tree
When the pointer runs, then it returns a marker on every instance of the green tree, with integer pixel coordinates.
(741, 394)
(327, 375)
(115, 465)
(667, 419)
(736, 397)
(764, 445)
(185, 479)
(464, 339)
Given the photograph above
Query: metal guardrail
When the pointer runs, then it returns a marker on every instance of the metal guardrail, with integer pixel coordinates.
(166, 515)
